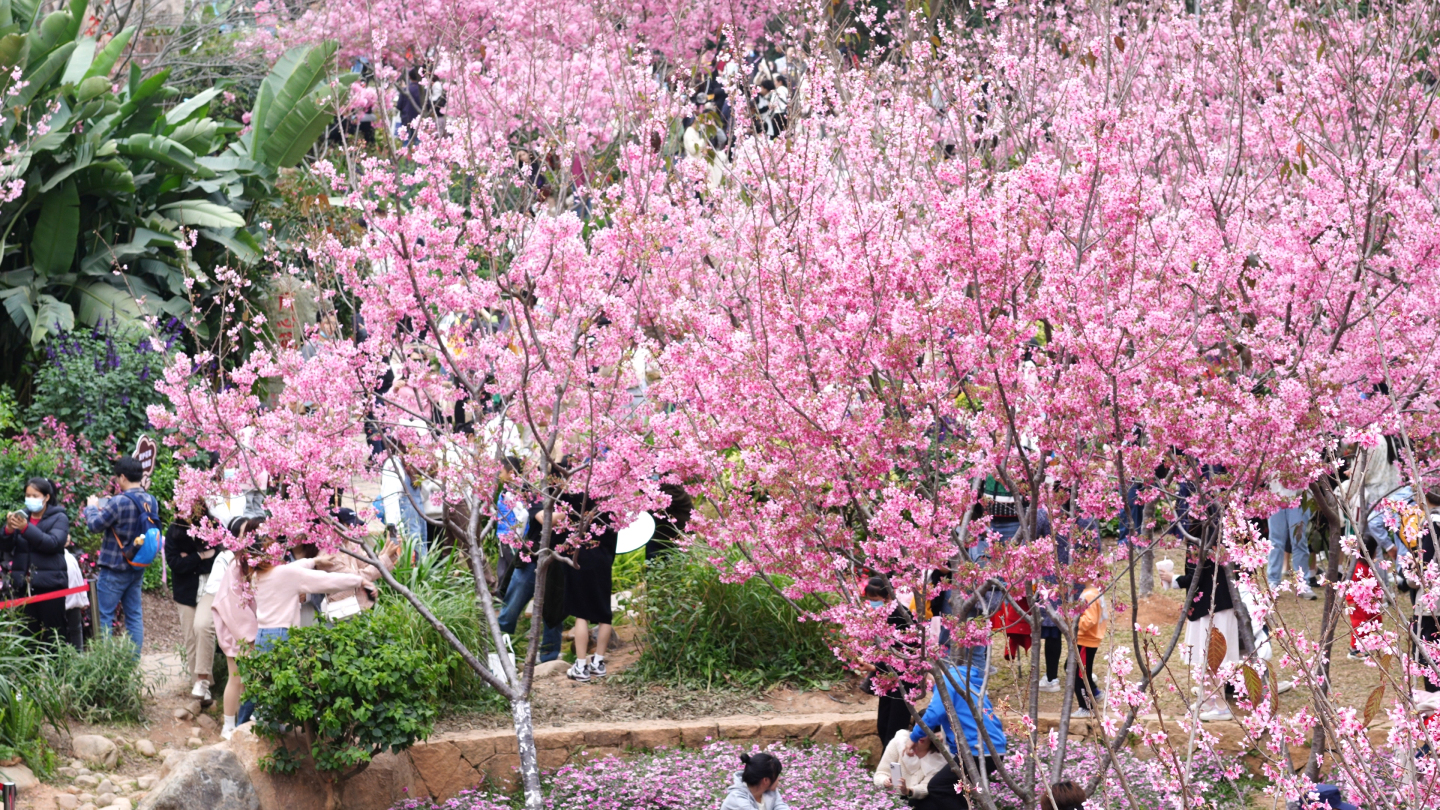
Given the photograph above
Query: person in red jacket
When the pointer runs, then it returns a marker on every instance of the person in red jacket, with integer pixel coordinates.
(1359, 616)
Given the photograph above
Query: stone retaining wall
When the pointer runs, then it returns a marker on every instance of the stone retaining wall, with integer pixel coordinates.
(449, 763)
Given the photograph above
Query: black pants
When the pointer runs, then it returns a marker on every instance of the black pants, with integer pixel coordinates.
(1428, 630)
(1052, 657)
(1085, 673)
(75, 628)
(944, 791)
(891, 717)
(47, 618)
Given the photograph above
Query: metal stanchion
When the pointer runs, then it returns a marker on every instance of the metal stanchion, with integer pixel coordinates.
(9, 795)
(94, 609)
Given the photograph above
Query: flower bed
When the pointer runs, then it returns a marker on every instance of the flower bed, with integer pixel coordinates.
(818, 777)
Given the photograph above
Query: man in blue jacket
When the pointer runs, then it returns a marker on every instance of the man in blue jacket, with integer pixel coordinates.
(942, 789)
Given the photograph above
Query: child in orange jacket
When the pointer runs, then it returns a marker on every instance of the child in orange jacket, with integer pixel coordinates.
(1088, 636)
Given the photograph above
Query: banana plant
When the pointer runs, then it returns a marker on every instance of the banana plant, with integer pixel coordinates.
(124, 199)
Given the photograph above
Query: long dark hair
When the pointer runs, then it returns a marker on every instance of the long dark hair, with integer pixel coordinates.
(759, 767)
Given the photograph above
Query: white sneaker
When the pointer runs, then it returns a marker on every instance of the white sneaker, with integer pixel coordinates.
(1051, 685)
(596, 665)
(1305, 592)
(1216, 715)
(201, 690)
(1281, 687)
(579, 671)
(1081, 714)
(227, 732)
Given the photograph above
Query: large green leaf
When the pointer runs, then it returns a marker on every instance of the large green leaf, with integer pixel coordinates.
(25, 11)
(197, 135)
(298, 130)
(110, 54)
(40, 78)
(190, 106)
(51, 32)
(203, 214)
(17, 303)
(84, 154)
(163, 150)
(236, 240)
(77, 16)
(79, 65)
(52, 243)
(53, 315)
(288, 83)
(100, 301)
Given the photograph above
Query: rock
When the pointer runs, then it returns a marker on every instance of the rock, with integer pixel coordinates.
(87, 807)
(183, 714)
(194, 731)
(146, 782)
(77, 764)
(87, 780)
(120, 804)
(145, 748)
(172, 759)
(105, 786)
(86, 798)
(213, 779)
(551, 669)
(67, 772)
(194, 742)
(66, 802)
(20, 775)
(96, 750)
(105, 799)
(206, 723)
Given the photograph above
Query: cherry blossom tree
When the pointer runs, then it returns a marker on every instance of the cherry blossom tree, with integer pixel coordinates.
(1085, 257)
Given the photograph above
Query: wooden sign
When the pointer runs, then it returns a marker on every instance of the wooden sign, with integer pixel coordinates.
(145, 452)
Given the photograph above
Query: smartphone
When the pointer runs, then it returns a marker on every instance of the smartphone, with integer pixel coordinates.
(895, 776)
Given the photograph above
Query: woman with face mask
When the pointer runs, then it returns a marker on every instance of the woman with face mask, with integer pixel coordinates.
(893, 715)
(35, 537)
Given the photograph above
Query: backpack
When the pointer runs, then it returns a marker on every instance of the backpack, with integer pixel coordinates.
(142, 550)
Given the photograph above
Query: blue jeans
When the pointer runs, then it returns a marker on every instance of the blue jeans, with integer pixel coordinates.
(265, 639)
(519, 593)
(1289, 525)
(117, 588)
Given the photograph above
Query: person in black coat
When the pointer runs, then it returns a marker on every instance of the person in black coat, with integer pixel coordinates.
(588, 582)
(36, 538)
(893, 714)
(190, 563)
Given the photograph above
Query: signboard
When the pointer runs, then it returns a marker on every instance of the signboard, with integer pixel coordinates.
(145, 452)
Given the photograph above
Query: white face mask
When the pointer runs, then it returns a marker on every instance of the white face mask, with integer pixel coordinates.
(33, 505)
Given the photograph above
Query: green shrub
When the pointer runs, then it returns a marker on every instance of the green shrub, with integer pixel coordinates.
(629, 571)
(448, 590)
(99, 383)
(104, 684)
(700, 631)
(20, 718)
(25, 696)
(350, 687)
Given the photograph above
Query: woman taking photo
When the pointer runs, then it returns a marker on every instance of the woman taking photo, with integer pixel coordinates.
(35, 538)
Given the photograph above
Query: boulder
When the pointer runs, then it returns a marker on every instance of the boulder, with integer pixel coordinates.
(209, 779)
(145, 748)
(146, 782)
(87, 780)
(65, 801)
(96, 750)
(172, 758)
(20, 775)
(105, 786)
(551, 669)
(119, 804)
(206, 723)
(182, 713)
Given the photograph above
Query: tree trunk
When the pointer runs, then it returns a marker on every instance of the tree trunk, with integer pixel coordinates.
(1146, 584)
(1331, 509)
(529, 761)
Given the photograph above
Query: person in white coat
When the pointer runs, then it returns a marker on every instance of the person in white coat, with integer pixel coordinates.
(754, 787)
